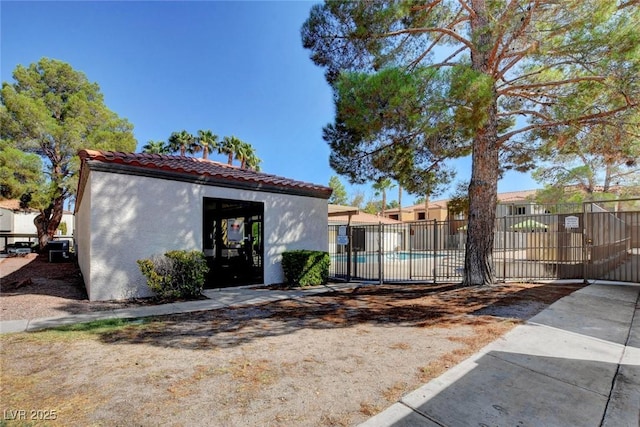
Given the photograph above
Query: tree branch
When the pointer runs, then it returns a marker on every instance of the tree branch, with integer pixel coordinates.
(517, 58)
(431, 5)
(538, 71)
(579, 120)
(465, 6)
(628, 4)
(524, 113)
(530, 97)
(555, 83)
(444, 31)
(453, 23)
(494, 52)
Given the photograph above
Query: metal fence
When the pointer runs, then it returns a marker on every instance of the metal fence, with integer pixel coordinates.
(591, 243)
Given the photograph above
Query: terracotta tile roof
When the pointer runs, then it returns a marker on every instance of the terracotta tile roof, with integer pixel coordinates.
(217, 173)
(10, 204)
(362, 218)
(516, 196)
(433, 204)
(14, 205)
(507, 197)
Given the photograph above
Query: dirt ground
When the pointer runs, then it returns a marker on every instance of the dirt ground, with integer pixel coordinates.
(32, 287)
(325, 360)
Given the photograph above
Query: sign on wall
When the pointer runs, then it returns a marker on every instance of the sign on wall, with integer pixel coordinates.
(571, 222)
(235, 229)
(343, 240)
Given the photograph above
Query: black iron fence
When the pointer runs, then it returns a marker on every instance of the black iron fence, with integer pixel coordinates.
(594, 243)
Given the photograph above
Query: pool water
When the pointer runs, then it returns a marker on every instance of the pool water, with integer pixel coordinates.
(393, 256)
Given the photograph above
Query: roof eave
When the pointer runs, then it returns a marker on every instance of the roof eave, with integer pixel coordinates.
(97, 165)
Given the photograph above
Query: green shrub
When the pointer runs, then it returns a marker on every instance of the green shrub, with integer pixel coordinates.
(63, 228)
(176, 274)
(306, 268)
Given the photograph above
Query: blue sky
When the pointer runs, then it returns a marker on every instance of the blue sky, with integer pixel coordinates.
(236, 68)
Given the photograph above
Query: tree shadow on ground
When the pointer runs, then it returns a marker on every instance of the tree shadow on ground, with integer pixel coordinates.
(37, 276)
(416, 306)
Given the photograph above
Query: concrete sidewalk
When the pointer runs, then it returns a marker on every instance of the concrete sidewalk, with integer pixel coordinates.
(577, 363)
(218, 298)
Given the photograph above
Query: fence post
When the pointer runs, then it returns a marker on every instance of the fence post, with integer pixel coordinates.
(585, 239)
(410, 239)
(349, 244)
(435, 249)
(380, 249)
(504, 249)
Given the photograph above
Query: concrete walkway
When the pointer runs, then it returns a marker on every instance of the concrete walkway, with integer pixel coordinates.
(577, 363)
(218, 298)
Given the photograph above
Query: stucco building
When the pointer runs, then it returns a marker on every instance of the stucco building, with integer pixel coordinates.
(18, 223)
(133, 206)
(509, 203)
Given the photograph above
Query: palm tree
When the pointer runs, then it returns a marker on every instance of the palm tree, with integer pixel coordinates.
(229, 147)
(242, 151)
(208, 141)
(247, 156)
(381, 187)
(253, 162)
(182, 141)
(156, 147)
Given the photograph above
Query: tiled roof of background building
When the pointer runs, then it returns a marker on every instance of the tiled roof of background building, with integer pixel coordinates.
(10, 204)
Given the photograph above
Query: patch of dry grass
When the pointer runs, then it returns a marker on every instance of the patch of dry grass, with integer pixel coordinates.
(253, 374)
(368, 409)
(400, 346)
(332, 420)
(231, 353)
(395, 392)
(485, 331)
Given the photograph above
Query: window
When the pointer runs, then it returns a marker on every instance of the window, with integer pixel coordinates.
(393, 216)
(421, 215)
(517, 210)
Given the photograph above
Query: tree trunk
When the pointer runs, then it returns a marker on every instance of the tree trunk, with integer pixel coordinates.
(205, 152)
(399, 202)
(384, 200)
(48, 221)
(483, 188)
(426, 207)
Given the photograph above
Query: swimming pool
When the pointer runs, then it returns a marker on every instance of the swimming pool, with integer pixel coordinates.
(363, 258)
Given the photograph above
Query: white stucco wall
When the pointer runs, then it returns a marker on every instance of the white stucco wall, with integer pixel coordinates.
(22, 223)
(133, 217)
(6, 220)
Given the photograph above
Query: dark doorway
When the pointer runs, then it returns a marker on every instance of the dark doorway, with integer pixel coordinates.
(233, 242)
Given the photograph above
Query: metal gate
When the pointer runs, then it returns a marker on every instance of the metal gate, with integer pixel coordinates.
(612, 241)
(592, 241)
